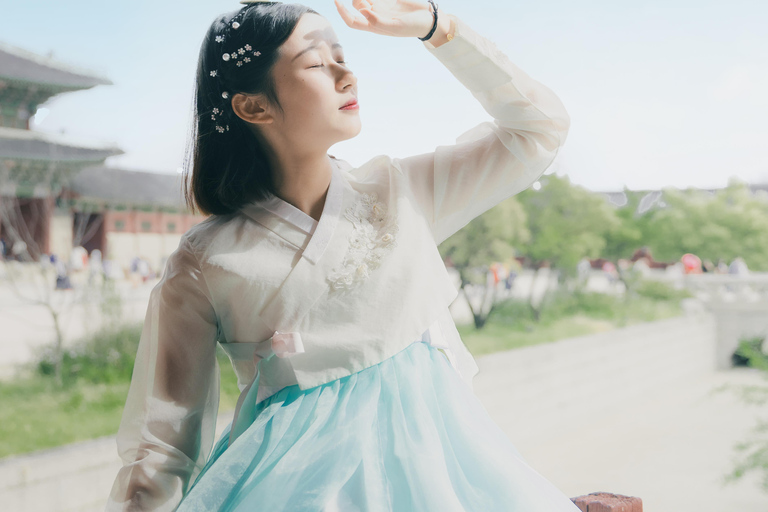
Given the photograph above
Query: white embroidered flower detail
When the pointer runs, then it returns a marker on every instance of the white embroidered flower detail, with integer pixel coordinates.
(247, 59)
(257, 53)
(213, 73)
(241, 51)
(247, 47)
(373, 236)
(239, 63)
(219, 39)
(233, 55)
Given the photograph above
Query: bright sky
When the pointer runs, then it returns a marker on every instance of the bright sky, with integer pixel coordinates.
(660, 92)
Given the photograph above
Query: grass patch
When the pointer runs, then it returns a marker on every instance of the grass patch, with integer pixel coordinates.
(495, 337)
(36, 414)
(565, 315)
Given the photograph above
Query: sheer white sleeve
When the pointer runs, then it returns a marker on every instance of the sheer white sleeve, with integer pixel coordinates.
(168, 424)
(494, 160)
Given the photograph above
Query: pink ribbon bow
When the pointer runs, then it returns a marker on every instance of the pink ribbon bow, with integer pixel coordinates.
(287, 344)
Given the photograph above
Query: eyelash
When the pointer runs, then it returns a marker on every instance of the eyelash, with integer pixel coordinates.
(323, 65)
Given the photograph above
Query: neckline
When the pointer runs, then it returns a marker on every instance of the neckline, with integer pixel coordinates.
(294, 215)
(291, 214)
(320, 232)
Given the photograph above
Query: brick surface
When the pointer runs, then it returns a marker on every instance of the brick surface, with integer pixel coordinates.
(607, 502)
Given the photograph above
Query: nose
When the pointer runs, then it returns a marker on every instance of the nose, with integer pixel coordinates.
(347, 79)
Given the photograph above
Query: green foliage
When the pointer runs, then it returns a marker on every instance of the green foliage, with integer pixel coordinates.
(562, 304)
(629, 233)
(567, 223)
(512, 323)
(495, 337)
(492, 236)
(730, 223)
(657, 290)
(107, 357)
(37, 413)
(754, 451)
(750, 351)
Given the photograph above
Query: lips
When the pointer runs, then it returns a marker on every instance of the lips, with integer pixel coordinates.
(351, 102)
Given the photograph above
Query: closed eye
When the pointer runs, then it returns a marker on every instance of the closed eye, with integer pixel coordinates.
(323, 65)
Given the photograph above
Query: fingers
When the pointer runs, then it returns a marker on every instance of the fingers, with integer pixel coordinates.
(361, 4)
(371, 16)
(352, 21)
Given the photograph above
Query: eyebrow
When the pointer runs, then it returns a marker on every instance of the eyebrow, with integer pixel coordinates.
(314, 47)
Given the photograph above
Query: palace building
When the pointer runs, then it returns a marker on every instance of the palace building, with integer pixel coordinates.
(57, 193)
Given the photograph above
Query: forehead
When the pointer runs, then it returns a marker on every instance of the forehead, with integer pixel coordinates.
(311, 30)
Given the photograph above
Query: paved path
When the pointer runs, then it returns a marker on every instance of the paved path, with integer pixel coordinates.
(671, 449)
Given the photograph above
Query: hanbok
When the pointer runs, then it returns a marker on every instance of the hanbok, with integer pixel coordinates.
(406, 434)
(356, 388)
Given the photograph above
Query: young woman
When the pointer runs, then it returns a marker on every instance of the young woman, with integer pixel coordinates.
(323, 283)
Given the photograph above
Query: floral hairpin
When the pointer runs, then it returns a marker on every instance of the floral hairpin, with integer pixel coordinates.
(244, 52)
(240, 57)
(219, 112)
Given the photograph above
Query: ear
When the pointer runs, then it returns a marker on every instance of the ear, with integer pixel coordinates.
(251, 108)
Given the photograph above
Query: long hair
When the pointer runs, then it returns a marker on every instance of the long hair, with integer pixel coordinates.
(229, 165)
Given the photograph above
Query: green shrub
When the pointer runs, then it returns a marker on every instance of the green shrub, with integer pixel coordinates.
(654, 303)
(657, 290)
(557, 305)
(750, 353)
(591, 304)
(512, 313)
(107, 357)
(752, 452)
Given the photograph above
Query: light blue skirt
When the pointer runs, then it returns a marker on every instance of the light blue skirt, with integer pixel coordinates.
(405, 435)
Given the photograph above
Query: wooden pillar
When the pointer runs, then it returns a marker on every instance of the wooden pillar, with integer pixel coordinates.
(49, 204)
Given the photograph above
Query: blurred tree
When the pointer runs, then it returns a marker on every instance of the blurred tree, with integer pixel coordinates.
(567, 223)
(628, 233)
(490, 237)
(733, 222)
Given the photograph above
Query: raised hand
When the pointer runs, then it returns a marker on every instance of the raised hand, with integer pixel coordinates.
(398, 18)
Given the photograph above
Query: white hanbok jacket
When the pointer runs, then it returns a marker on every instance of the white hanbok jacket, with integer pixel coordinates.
(298, 301)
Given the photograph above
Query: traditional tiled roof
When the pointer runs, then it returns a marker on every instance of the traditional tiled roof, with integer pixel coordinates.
(30, 145)
(17, 65)
(128, 187)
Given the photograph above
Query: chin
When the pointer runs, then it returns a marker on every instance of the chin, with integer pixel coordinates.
(351, 133)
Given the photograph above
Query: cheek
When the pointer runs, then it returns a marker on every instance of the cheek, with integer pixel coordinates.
(311, 98)
(308, 99)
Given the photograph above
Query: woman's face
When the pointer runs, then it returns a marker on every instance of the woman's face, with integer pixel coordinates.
(313, 83)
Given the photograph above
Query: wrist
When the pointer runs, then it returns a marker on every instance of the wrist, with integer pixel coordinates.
(444, 31)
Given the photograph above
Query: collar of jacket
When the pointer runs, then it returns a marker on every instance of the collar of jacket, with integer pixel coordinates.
(301, 288)
(273, 214)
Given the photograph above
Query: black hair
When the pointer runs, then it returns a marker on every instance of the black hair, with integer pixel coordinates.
(229, 164)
